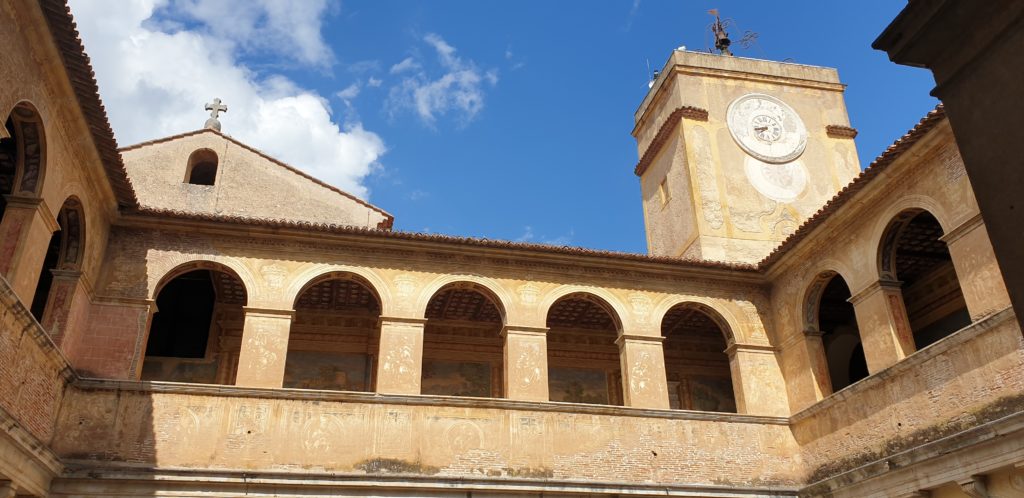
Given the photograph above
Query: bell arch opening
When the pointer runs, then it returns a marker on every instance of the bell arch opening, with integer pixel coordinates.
(202, 167)
(195, 335)
(913, 254)
(331, 344)
(462, 344)
(697, 369)
(583, 358)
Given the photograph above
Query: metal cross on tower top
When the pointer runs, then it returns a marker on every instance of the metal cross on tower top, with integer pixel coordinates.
(215, 108)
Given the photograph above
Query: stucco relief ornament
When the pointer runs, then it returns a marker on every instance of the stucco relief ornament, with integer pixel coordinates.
(274, 275)
(399, 361)
(405, 286)
(639, 375)
(773, 136)
(641, 307)
(527, 365)
(529, 294)
(265, 345)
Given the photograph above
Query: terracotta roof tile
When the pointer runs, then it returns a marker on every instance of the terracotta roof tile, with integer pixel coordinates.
(447, 239)
(83, 82)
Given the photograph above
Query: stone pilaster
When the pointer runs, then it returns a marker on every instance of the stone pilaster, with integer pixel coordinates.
(643, 371)
(757, 381)
(264, 347)
(976, 268)
(24, 237)
(400, 360)
(59, 304)
(814, 349)
(884, 328)
(526, 363)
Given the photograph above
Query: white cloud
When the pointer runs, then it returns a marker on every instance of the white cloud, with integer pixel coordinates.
(459, 89)
(373, 82)
(407, 64)
(155, 77)
(348, 93)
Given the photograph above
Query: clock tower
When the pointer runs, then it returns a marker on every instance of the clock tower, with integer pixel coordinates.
(735, 153)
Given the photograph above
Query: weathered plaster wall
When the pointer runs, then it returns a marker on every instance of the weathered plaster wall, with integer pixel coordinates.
(247, 184)
(430, 437)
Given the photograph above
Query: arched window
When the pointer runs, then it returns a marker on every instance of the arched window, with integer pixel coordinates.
(696, 365)
(202, 167)
(63, 253)
(8, 163)
(833, 315)
(462, 345)
(583, 359)
(198, 311)
(913, 255)
(331, 345)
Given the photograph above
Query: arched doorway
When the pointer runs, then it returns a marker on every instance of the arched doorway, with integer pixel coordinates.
(195, 335)
(832, 314)
(583, 359)
(462, 345)
(64, 252)
(913, 254)
(331, 344)
(696, 365)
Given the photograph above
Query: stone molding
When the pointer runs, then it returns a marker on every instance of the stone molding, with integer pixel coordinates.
(401, 320)
(840, 131)
(749, 348)
(651, 339)
(524, 331)
(34, 203)
(874, 287)
(268, 312)
(665, 131)
(962, 229)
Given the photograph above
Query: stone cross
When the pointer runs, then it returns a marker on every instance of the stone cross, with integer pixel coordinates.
(215, 108)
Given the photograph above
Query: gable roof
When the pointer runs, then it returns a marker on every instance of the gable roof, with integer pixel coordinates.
(390, 219)
(83, 83)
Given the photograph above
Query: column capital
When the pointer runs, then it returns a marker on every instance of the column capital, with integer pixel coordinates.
(809, 332)
(625, 338)
(268, 312)
(33, 203)
(749, 348)
(66, 274)
(401, 320)
(871, 289)
(523, 330)
(974, 486)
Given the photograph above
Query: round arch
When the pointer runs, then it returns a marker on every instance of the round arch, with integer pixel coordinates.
(724, 318)
(486, 286)
(602, 297)
(71, 219)
(887, 240)
(319, 273)
(30, 138)
(190, 266)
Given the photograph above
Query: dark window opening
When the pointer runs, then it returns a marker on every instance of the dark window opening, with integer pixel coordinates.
(181, 326)
(203, 174)
(838, 324)
(696, 366)
(50, 261)
(8, 165)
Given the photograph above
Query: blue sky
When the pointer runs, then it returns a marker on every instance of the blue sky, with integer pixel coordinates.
(500, 120)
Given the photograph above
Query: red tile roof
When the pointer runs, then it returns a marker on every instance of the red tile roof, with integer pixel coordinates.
(83, 82)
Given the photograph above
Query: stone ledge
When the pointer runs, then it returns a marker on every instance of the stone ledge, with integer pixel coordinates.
(157, 387)
(90, 479)
(911, 362)
(14, 437)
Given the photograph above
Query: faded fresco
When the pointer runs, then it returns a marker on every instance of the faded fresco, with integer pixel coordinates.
(326, 370)
(180, 370)
(578, 385)
(711, 394)
(453, 378)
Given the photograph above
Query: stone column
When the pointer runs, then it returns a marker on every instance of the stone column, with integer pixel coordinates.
(526, 363)
(264, 347)
(884, 328)
(976, 268)
(818, 361)
(400, 360)
(757, 381)
(643, 371)
(24, 237)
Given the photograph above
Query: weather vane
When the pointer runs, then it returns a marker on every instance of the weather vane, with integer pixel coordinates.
(722, 41)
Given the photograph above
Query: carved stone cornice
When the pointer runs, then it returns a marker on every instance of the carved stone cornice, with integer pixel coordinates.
(521, 330)
(651, 339)
(268, 312)
(962, 229)
(839, 131)
(665, 131)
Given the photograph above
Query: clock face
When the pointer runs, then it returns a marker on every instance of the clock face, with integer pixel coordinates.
(766, 128)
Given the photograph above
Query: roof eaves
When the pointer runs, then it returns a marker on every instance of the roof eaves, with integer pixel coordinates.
(83, 83)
